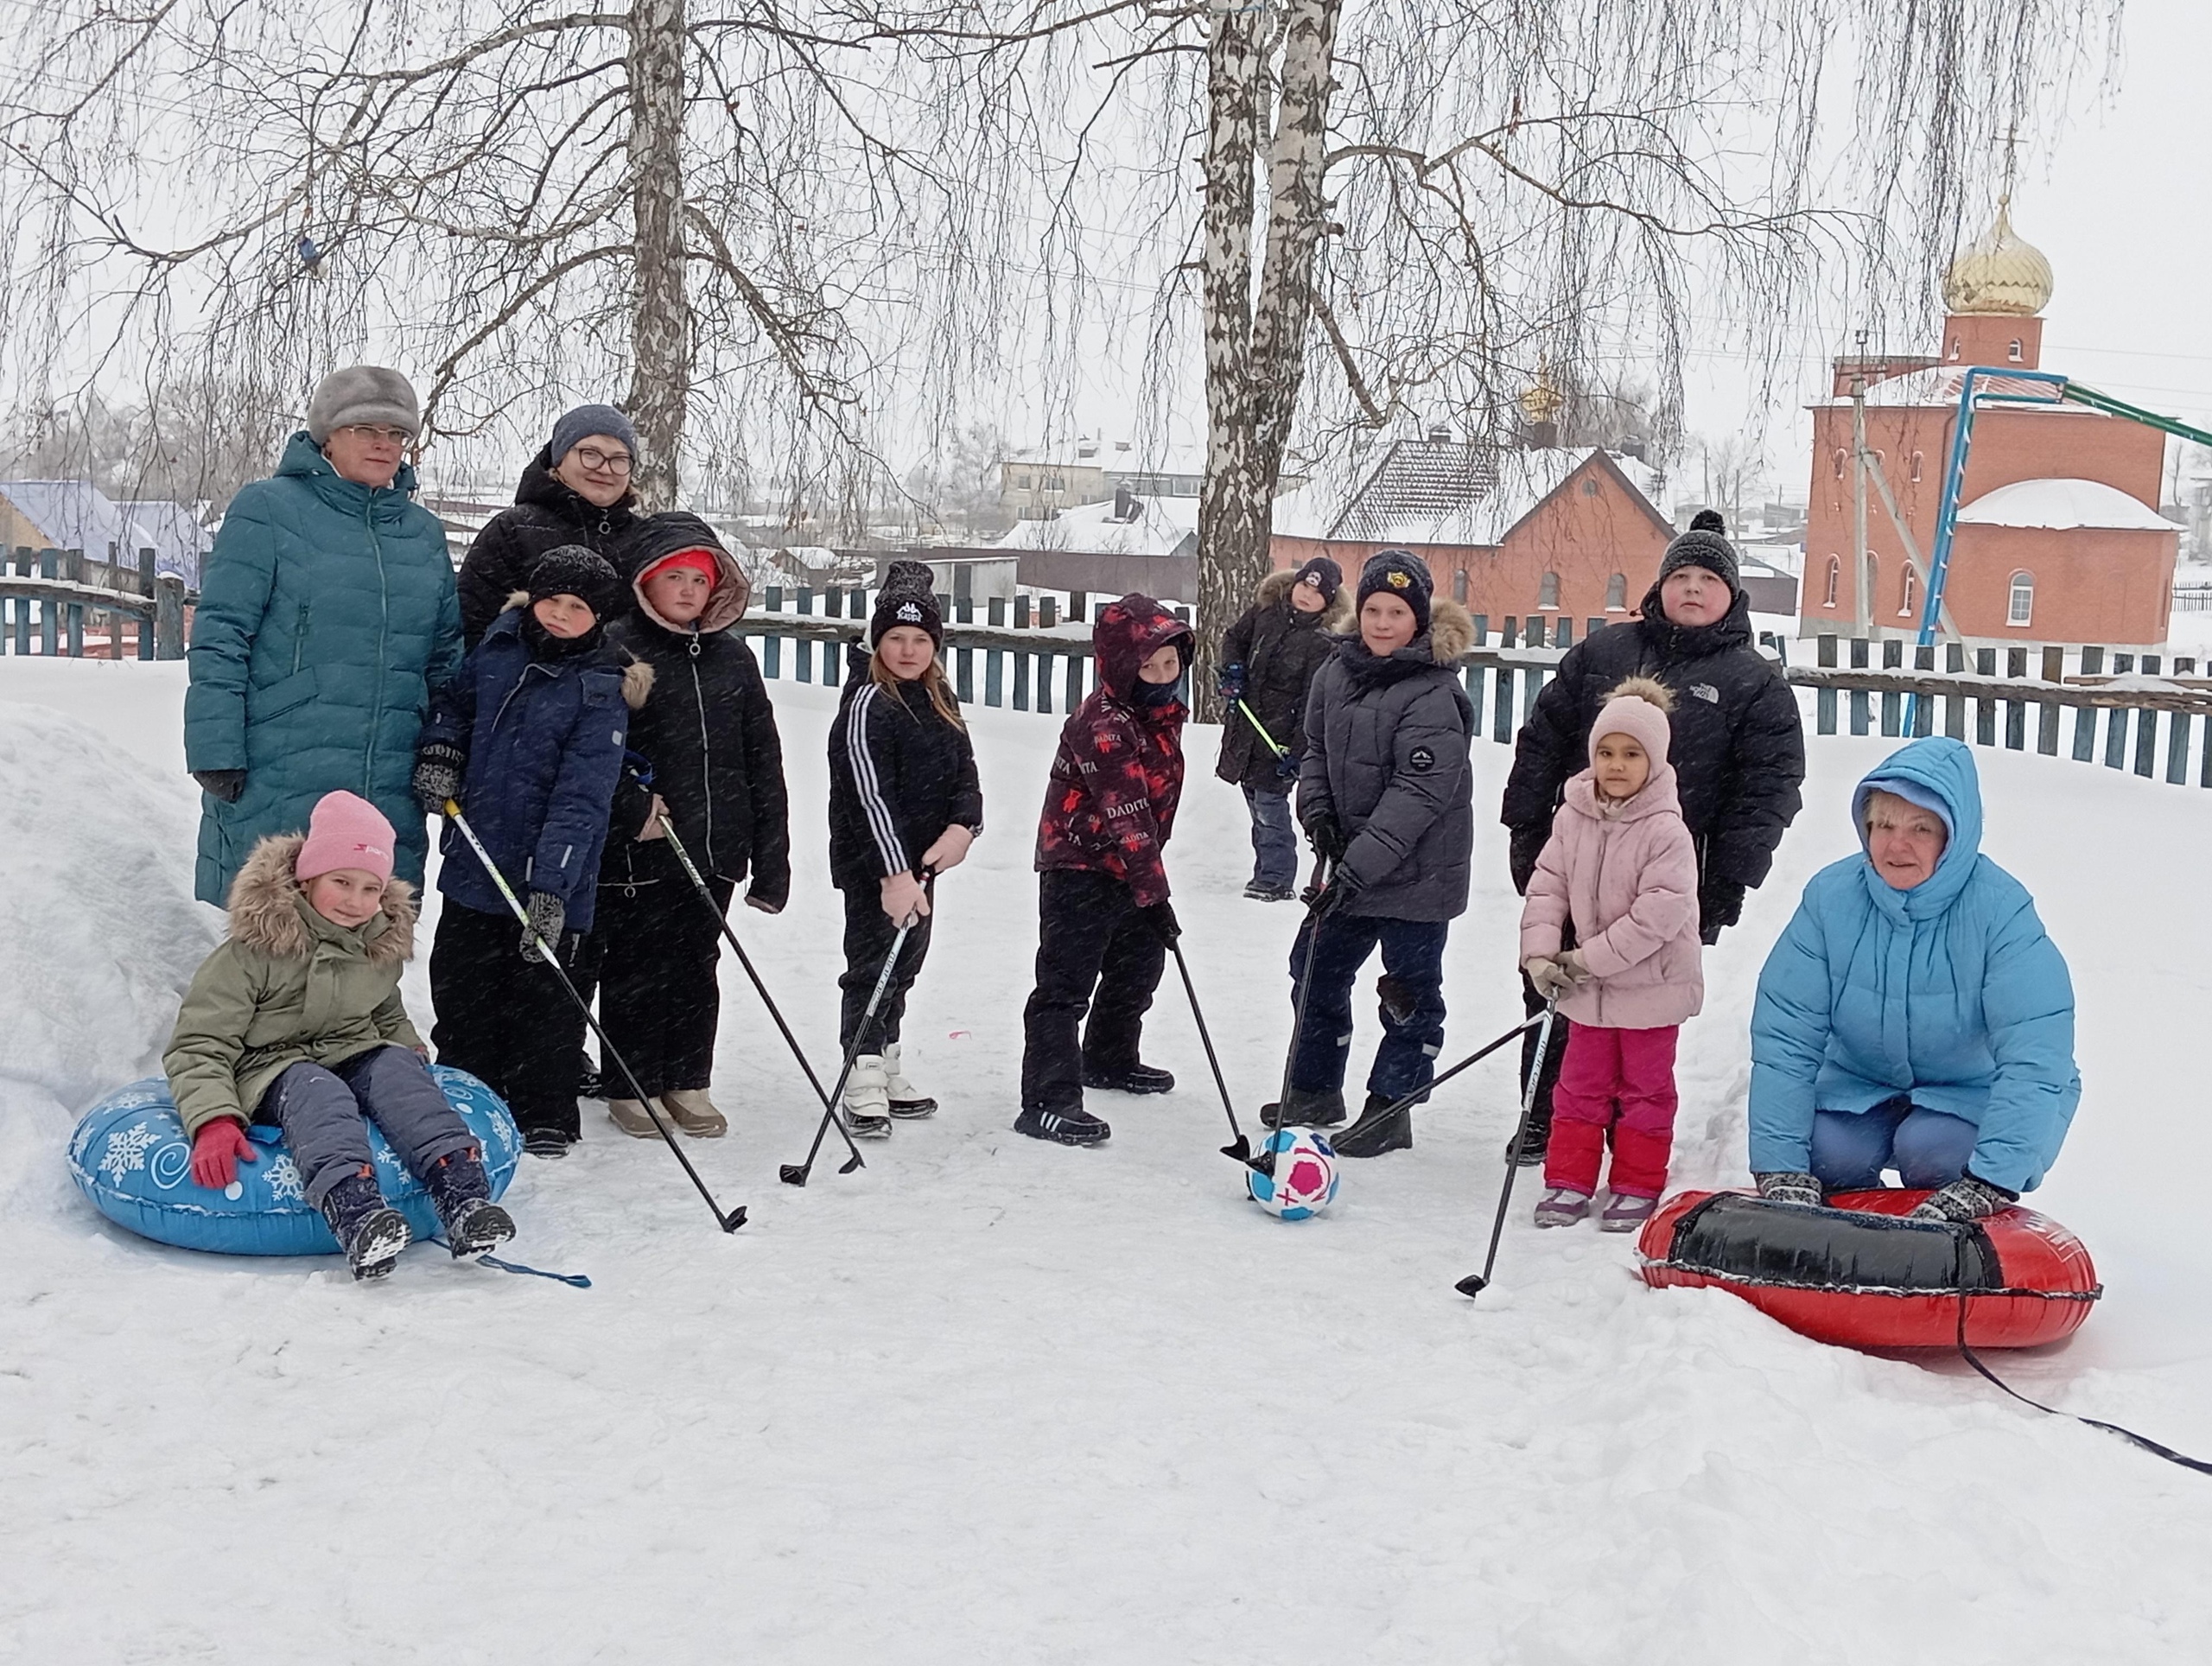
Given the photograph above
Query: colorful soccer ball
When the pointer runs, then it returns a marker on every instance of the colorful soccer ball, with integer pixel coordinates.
(1304, 1182)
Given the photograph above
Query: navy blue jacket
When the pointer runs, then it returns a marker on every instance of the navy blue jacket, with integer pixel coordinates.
(544, 740)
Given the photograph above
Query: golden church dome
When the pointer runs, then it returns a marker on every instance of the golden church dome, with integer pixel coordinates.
(1541, 402)
(1999, 272)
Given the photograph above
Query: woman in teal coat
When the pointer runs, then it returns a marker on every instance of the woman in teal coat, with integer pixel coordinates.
(1915, 1014)
(326, 619)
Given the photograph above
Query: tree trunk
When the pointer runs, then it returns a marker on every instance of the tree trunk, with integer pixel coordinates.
(660, 317)
(1256, 357)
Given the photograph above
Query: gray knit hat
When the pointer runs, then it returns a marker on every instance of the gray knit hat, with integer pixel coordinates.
(362, 393)
(579, 424)
(1705, 544)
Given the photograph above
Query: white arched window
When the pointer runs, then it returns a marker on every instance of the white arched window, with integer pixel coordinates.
(1548, 591)
(1835, 580)
(1460, 584)
(1908, 590)
(1616, 593)
(2021, 605)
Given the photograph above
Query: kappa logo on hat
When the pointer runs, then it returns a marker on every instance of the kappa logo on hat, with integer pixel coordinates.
(909, 612)
(1398, 579)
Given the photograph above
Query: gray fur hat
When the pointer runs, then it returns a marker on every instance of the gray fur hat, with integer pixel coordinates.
(362, 393)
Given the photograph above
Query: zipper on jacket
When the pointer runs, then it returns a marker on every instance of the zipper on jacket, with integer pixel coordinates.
(383, 645)
(706, 745)
(300, 636)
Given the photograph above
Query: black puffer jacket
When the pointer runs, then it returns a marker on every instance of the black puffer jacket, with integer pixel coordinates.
(1386, 758)
(1738, 747)
(546, 514)
(899, 776)
(1280, 648)
(708, 733)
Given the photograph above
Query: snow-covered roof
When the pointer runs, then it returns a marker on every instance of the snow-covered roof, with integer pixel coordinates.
(1163, 526)
(1448, 492)
(1119, 456)
(1940, 386)
(2063, 504)
(78, 515)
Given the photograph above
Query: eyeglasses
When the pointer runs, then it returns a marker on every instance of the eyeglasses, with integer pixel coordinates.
(370, 433)
(614, 462)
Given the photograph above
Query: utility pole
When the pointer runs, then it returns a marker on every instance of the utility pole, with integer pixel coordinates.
(1862, 607)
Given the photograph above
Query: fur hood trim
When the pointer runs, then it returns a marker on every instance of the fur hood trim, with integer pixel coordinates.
(1335, 618)
(637, 684)
(1451, 632)
(269, 910)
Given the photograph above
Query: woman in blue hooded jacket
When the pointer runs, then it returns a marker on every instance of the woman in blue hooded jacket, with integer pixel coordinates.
(1915, 1014)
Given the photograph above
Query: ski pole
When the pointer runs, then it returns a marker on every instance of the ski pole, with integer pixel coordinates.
(796, 1173)
(735, 1217)
(1474, 1058)
(1274, 746)
(1265, 1162)
(1475, 1283)
(1240, 1147)
(729, 935)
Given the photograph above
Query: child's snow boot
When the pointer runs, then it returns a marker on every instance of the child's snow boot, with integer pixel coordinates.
(1128, 1079)
(461, 1194)
(1378, 1129)
(1306, 1108)
(907, 1101)
(1562, 1207)
(370, 1230)
(1625, 1214)
(632, 1118)
(867, 1098)
(1525, 1148)
(1076, 1127)
(694, 1113)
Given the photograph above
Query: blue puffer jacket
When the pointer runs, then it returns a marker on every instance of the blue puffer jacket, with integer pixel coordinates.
(1950, 992)
(326, 619)
(544, 740)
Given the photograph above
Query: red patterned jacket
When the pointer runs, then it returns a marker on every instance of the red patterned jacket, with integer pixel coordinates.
(1118, 773)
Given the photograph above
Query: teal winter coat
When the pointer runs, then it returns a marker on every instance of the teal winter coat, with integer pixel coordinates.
(326, 619)
(1950, 992)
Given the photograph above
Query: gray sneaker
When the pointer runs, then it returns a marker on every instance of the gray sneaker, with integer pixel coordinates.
(1560, 1208)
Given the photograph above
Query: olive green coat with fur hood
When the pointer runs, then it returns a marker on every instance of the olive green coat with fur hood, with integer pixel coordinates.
(287, 986)
(1280, 648)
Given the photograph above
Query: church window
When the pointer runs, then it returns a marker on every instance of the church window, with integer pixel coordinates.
(2013, 352)
(1548, 591)
(1906, 590)
(2021, 606)
(1616, 593)
(1460, 584)
(1836, 580)
(1916, 468)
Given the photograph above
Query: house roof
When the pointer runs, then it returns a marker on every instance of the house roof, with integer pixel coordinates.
(78, 515)
(1451, 492)
(2064, 505)
(1163, 526)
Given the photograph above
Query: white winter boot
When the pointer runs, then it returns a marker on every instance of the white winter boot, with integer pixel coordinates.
(868, 1099)
(907, 1101)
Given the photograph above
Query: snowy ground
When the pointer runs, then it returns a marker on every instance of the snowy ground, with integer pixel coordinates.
(991, 1401)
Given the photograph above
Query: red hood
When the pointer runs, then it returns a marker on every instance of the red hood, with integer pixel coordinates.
(1127, 633)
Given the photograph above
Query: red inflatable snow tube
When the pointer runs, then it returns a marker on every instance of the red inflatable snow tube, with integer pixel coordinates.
(1857, 1273)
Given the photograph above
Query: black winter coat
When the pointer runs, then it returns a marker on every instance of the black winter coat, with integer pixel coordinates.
(899, 776)
(1739, 748)
(546, 515)
(708, 734)
(1280, 648)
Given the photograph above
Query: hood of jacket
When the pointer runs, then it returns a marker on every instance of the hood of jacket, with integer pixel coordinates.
(637, 674)
(270, 911)
(1335, 618)
(1451, 633)
(1127, 633)
(541, 488)
(675, 529)
(1938, 772)
(304, 460)
(1731, 630)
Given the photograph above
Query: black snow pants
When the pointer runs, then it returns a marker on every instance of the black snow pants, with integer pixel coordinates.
(1090, 936)
(658, 950)
(507, 1020)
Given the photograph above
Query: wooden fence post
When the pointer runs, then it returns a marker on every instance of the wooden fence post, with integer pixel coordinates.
(151, 590)
(49, 615)
(1476, 685)
(963, 659)
(2116, 725)
(2054, 673)
(169, 617)
(2016, 711)
(1923, 723)
(1862, 707)
(1502, 728)
(2085, 717)
(1824, 699)
(2146, 728)
(1892, 660)
(2177, 732)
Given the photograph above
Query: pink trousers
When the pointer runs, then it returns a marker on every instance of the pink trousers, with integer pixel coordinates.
(1619, 1084)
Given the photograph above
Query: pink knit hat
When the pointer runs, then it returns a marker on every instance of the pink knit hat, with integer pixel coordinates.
(345, 831)
(1637, 708)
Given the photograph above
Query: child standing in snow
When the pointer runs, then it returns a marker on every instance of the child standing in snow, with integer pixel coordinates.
(1104, 919)
(529, 738)
(297, 1019)
(905, 804)
(707, 732)
(1620, 864)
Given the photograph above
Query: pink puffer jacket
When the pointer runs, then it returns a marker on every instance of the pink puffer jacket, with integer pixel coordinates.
(1629, 880)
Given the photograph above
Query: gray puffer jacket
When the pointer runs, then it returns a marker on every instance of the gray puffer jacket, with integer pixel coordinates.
(1386, 754)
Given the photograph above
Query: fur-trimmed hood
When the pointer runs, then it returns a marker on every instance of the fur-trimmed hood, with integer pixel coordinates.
(637, 675)
(1335, 618)
(269, 910)
(1451, 632)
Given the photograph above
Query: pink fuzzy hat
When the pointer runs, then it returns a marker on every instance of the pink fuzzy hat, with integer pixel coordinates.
(345, 831)
(1637, 708)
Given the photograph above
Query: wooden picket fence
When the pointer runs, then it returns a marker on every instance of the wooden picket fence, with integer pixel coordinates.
(48, 596)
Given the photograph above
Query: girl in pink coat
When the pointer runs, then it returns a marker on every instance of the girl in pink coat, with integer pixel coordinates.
(1621, 867)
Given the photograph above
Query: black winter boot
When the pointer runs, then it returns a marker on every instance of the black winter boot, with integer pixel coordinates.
(370, 1230)
(1306, 1108)
(1526, 1148)
(1128, 1078)
(1378, 1129)
(1075, 1127)
(461, 1194)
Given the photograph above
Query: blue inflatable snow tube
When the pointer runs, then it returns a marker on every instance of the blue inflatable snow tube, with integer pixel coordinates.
(131, 1157)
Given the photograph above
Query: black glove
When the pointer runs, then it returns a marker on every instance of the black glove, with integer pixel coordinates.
(1161, 917)
(1342, 886)
(1965, 1199)
(1326, 837)
(223, 784)
(547, 914)
(1720, 902)
(438, 776)
(1287, 766)
(1802, 1190)
(1231, 685)
(1524, 846)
